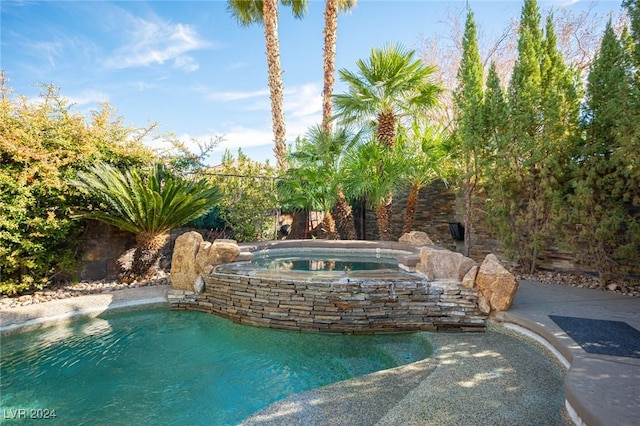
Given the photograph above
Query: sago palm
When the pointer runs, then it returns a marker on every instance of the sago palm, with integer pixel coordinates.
(146, 203)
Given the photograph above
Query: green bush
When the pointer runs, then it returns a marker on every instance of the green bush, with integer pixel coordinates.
(42, 145)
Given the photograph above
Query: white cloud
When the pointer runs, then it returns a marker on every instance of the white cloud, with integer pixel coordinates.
(156, 43)
(88, 97)
(238, 95)
(303, 109)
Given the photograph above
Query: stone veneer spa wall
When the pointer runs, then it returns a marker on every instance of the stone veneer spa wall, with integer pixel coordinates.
(431, 300)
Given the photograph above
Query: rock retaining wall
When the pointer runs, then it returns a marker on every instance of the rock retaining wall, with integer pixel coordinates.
(336, 307)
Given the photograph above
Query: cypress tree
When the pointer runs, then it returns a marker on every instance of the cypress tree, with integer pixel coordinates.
(605, 187)
(468, 99)
(543, 111)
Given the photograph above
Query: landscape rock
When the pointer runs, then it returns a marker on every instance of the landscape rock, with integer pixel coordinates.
(416, 238)
(496, 286)
(223, 251)
(469, 279)
(183, 262)
(443, 264)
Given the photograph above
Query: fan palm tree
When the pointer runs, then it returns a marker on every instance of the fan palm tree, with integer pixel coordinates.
(373, 172)
(388, 87)
(426, 150)
(314, 179)
(265, 12)
(344, 213)
(148, 205)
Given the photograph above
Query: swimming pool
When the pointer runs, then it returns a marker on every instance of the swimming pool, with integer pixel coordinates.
(154, 366)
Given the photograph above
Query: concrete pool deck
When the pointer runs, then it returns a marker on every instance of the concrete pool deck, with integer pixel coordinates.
(599, 390)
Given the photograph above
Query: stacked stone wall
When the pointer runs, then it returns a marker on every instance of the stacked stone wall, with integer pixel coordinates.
(370, 307)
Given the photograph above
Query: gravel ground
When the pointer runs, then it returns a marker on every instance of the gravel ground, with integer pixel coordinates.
(64, 291)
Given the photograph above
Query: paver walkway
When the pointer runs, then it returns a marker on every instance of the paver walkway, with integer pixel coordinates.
(602, 389)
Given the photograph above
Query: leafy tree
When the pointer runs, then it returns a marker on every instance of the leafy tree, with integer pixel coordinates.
(265, 12)
(146, 203)
(468, 99)
(387, 87)
(250, 199)
(42, 144)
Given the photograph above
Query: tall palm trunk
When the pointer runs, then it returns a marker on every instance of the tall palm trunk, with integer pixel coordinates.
(330, 32)
(410, 213)
(383, 217)
(329, 226)
(344, 217)
(270, 13)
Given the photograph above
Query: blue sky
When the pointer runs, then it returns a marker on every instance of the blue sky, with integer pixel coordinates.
(188, 66)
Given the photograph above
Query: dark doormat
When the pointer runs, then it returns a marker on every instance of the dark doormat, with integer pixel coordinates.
(615, 338)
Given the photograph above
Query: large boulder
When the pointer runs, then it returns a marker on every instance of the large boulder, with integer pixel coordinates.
(496, 286)
(416, 238)
(438, 264)
(210, 255)
(183, 261)
(223, 251)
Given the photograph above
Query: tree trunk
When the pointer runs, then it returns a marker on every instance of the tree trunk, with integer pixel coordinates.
(468, 193)
(383, 217)
(344, 217)
(270, 13)
(329, 226)
(330, 34)
(147, 253)
(410, 214)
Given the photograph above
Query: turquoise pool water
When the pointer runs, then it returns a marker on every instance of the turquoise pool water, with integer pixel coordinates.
(323, 260)
(155, 366)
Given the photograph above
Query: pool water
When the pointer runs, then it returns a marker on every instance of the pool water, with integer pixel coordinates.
(156, 366)
(324, 262)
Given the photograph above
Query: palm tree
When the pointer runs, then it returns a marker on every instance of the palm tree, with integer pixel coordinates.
(344, 213)
(373, 172)
(426, 150)
(389, 86)
(332, 7)
(314, 179)
(148, 205)
(265, 12)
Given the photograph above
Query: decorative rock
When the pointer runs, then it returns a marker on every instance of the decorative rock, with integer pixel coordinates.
(183, 262)
(443, 264)
(223, 251)
(203, 265)
(469, 279)
(497, 286)
(198, 285)
(416, 238)
(612, 287)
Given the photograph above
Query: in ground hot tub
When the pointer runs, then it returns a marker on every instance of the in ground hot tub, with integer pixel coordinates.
(335, 286)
